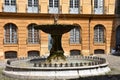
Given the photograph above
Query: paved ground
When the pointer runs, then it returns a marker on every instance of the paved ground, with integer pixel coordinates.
(114, 64)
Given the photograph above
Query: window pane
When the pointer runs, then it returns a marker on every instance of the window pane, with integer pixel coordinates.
(96, 3)
(6, 2)
(36, 3)
(10, 34)
(10, 2)
(13, 2)
(71, 3)
(50, 3)
(56, 3)
(76, 3)
(29, 2)
(33, 34)
(75, 35)
(99, 34)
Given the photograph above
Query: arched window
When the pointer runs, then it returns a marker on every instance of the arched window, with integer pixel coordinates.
(98, 6)
(75, 36)
(33, 53)
(10, 34)
(9, 6)
(10, 54)
(33, 34)
(99, 34)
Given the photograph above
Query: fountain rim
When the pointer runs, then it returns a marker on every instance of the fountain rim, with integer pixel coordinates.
(42, 72)
(99, 59)
(55, 25)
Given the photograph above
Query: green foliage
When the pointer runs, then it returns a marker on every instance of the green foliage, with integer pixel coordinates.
(58, 55)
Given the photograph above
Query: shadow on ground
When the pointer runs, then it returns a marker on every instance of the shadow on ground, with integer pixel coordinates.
(116, 54)
(102, 77)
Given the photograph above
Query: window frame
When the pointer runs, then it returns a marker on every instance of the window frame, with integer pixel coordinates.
(99, 34)
(54, 3)
(33, 35)
(33, 3)
(10, 34)
(75, 36)
(98, 7)
(10, 2)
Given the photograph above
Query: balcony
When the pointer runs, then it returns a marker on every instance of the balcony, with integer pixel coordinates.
(33, 8)
(55, 10)
(101, 10)
(9, 8)
(74, 10)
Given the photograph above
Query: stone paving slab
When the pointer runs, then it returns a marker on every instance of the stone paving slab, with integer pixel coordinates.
(114, 62)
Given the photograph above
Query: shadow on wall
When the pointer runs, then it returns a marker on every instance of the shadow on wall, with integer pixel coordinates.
(115, 32)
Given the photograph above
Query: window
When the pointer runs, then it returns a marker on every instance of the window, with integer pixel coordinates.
(95, 3)
(99, 51)
(10, 2)
(75, 52)
(56, 3)
(7, 2)
(13, 2)
(74, 6)
(10, 54)
(53, 3)
(32, 6)
(98, 6)
(118, 36)
(99, 34)
(10, 34)
(9, 6)
(33, 3)
(117, 6)
(50, 42)
(33, 53)
(53, 6)
(33, 35)
(74, 3)
(75, 36)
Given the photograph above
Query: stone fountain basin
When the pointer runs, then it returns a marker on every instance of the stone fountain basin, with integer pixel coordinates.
(91, 66)
(55, 28)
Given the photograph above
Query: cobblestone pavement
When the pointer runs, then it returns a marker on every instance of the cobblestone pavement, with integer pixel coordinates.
(114, 64)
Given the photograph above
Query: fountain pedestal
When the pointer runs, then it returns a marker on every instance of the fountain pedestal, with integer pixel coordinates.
(56, 31)
(56, 52)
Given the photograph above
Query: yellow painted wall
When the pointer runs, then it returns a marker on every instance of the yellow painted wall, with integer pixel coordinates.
(86, 6)
(86, 46)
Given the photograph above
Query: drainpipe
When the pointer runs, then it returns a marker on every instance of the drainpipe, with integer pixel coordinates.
(89, 32)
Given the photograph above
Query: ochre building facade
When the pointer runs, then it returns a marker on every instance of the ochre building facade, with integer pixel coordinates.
(97, 30)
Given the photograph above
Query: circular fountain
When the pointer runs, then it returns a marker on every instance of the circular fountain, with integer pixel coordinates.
(56, 65)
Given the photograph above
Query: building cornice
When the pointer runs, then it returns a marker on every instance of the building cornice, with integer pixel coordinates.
(44, 15)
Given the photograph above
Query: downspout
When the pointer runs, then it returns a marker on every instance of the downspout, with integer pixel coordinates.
(89, 25)
(89, 33)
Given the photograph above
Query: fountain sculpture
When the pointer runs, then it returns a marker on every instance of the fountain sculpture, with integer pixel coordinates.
(71, 67)
(56, 30)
